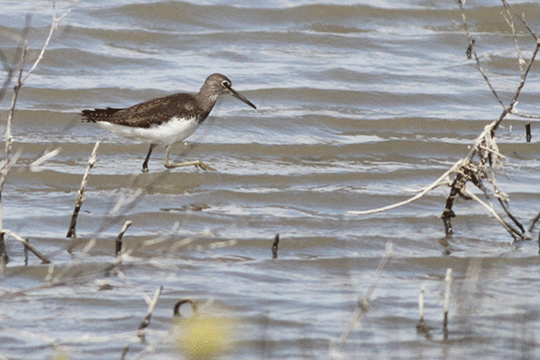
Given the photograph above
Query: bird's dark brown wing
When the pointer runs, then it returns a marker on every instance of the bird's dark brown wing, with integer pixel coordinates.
(145, 114)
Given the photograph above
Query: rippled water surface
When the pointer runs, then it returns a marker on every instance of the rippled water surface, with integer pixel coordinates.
(359, 103)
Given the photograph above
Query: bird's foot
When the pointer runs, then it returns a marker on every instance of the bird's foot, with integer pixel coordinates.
(203, 166)
(198, 164)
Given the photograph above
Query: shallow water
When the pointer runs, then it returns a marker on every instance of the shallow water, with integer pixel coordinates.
(359, 102)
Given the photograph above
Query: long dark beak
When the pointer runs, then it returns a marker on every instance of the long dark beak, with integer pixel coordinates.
(239, 96)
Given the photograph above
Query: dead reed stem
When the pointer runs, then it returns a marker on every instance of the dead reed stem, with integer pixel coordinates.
(448, 280)
(363, 304)
(20, 57)
(71, 232)
(47, 155)
(8, 159)
(151, 307)
(124, 352)
(118, 242)
(27, 245)
(421, 327)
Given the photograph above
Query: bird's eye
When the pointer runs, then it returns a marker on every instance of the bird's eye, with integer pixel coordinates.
(226, 84)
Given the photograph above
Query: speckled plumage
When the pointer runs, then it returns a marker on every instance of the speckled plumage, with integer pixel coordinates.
(151, 112)
(165, 120)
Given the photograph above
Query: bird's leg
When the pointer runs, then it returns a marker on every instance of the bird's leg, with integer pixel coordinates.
(197, 163)
(145, 163)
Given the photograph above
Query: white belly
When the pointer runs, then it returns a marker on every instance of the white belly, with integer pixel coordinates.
(168, 133)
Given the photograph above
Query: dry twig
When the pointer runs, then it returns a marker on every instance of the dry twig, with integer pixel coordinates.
(27, 245)
(118, 243)
(448, 280)
(151, 306)
(20, 62)
(484, 159)
(421, 327)
(71, 232)
(363, 303)
(35, 165)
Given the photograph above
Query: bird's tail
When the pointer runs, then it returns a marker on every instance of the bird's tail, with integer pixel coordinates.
(98, 114)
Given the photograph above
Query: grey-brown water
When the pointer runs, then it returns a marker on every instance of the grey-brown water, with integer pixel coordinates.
(358, 103)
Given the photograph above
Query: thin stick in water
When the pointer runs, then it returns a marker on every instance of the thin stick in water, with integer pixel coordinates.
(448, 280)
(35, 165)
(118, 243)
(275, 246)
(363, 304)
(9, 160)
(421, 326)
(26, 253)
(30, 247)
(124, 352)
(151, 307)
(4, 257)
(71, 232)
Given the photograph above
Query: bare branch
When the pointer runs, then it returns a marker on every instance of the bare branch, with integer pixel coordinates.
(515, 112)
(472, 51)
(510, 21)
(54, 26)
(484, 158)
(512, 231)
(427, 189)
(523, 22)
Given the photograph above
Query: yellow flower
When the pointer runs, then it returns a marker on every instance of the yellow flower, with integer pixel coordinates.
(203, 337)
